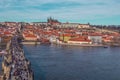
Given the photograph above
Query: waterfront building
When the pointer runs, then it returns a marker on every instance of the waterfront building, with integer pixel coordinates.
(79, 40)
(29, 37)
(95, 38)
(65, 37)
(107, 40)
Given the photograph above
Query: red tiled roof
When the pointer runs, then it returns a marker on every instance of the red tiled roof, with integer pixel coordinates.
(67, 35)
(80, 39)
(6, 32)
(95, 34)
(69, 31)
(30, 35)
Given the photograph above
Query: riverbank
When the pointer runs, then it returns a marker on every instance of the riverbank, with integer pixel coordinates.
(84, 45)
(30, 42)
(88, 45)
(70, 44)
(81, 45)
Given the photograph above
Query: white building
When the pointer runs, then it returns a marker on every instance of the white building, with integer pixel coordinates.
(97, 39)
(39, 23)
(83, 26)
(73, 25)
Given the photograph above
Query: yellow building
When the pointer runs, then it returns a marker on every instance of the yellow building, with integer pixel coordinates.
(65, 37)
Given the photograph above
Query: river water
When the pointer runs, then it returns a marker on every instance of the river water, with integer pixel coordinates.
(54, 62)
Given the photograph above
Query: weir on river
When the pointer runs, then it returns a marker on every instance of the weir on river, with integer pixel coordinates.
(14, 65)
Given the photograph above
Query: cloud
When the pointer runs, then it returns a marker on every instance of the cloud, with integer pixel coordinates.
(64, 10)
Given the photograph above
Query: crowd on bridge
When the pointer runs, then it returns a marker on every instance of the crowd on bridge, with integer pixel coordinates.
(20, 69)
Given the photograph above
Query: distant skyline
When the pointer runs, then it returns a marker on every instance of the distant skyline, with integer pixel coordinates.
(101, 12)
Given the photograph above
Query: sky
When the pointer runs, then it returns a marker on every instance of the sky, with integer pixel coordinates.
(101, 12)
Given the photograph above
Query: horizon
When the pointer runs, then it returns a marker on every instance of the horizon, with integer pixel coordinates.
(97, 12)
(61, 22)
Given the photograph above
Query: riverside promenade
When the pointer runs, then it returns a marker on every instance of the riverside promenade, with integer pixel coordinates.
(15, 66)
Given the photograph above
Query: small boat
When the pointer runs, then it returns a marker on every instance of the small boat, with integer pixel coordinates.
(105, 46)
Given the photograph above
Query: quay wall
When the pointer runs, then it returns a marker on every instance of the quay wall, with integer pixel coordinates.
(30, 42)
(82, 45)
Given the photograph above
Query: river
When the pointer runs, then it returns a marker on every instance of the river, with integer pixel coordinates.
(54, 62)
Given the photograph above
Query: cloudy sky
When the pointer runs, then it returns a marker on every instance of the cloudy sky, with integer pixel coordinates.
(80, 11)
